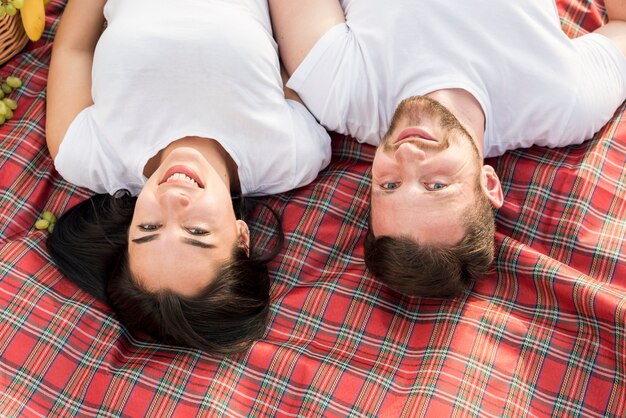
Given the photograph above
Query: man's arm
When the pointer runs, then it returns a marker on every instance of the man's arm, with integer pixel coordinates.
(69, 77)
(616, 28)
(289, 94)
(299, 24)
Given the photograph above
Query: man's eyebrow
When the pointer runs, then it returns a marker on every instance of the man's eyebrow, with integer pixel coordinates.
(380, 192)
(197, 243)
(145, 239)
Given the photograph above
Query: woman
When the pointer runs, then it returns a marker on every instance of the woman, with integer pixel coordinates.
(182, 104)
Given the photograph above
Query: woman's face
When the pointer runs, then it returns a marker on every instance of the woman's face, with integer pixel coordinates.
(184, 227)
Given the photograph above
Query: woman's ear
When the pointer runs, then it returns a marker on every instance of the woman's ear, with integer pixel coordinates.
(244, 236)
(490, 184)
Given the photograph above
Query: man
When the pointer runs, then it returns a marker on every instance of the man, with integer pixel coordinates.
(438, 86)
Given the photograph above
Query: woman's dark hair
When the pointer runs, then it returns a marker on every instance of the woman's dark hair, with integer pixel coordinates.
(90, 246)
(89, 238)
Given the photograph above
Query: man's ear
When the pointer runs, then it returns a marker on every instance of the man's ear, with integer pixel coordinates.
(244, 236)
(490, 184)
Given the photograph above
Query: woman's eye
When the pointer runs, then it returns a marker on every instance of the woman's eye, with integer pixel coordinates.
(435, 186)
(149, 227)
(390, 186)
(197, 231)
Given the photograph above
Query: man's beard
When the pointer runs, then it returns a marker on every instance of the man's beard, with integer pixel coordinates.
(411, 111)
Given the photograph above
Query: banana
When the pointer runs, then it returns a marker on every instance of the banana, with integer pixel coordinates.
(33, 18)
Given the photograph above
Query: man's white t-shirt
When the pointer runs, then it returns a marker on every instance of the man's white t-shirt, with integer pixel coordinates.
(535, 85)
(165, 70)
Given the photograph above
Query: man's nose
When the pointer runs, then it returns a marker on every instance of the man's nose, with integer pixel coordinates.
(408, 152)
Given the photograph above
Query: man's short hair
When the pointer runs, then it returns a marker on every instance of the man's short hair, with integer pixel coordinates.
(426, 270)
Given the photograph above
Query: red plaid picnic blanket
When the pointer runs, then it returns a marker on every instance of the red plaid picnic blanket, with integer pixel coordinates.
(543, 335)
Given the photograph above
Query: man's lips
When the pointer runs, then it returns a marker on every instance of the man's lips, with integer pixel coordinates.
(182, 170)
(414, 132)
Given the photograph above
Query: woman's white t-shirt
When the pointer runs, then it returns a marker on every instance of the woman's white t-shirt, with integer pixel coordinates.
(164, 70)
(535, 85)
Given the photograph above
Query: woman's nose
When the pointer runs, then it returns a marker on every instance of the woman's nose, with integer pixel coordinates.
(408, 152)
(175, 199)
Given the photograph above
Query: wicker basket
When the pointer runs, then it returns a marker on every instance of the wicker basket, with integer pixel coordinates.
(12, 37)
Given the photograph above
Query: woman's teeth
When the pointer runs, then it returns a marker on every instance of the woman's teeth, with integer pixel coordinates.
(182, 177)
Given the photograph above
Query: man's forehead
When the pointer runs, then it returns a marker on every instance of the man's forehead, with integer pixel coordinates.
(393, 216)
(438, 228)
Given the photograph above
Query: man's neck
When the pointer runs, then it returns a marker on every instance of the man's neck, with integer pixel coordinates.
(467, 110)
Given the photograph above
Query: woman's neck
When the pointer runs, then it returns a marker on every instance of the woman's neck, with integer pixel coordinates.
(214, 153)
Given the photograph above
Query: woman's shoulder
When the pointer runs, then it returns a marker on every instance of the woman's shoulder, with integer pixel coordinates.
(87, 159)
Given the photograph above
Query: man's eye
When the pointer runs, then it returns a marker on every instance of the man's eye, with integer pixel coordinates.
(149, 227)
(390, 186)
(197, 231)
(435, 186)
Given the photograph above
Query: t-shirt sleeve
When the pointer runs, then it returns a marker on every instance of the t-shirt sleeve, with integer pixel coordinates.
(334, 83)
(84, 159)
(601, 90)
(312, 145)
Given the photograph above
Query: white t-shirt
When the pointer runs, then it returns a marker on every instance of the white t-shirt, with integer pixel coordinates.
(535, 85)
(165, 70)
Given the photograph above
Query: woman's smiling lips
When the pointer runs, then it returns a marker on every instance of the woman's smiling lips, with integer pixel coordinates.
(184, 170)
(414, 132)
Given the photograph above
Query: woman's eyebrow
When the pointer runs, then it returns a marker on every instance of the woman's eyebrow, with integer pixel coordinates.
(198, 243)
(189, 241)
(145, 239)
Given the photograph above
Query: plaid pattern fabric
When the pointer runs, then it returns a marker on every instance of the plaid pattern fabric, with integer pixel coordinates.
(543, 335)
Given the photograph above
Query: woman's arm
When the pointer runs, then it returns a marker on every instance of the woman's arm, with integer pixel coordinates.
(69, 77)
(299, 24)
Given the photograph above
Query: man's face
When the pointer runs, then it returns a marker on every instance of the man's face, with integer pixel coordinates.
(425, 175)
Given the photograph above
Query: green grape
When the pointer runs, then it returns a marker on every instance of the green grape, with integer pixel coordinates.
(2, 94)
(18, 4)
(9, 113)
(51, 228)
(10, 9)
(13, 82)
(3, 11)
(11, 104)
(49, 216)
(4, 109)
(2, 119)
(6, 88)
(42, 224)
